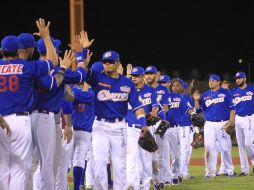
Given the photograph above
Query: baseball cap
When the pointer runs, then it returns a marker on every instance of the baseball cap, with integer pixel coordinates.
(139, 71)
(151, 69)
(214, 77)
(240, 74)
(97, 66)
(10, 43)
(26, 40)
(164, 78)
(110, 56)
(40, 45)
(185, 85)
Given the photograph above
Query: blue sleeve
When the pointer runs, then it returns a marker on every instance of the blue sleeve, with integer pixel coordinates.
(67, 107)
(161, 114)
(41, 67)
(83, 97)
(165, 98)
(185, 106)
(75, 77)
(48, 82)
(92, 77)
(154, 99)
(133, 98)
(230, 103)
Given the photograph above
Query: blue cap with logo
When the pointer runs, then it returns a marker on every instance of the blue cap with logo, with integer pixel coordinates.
(139, 71)
(40, 45)
(10, 43)
(26, 40)
(97, 66)
(240, 74)
(110, 56)
(214, 77)
(151, 69)
(164, 78)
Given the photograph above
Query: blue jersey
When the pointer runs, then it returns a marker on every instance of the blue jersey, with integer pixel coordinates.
(112, 95)
(52, 100)
(217, 104)
(162, 94)
(179, 107)
(244, 100)
(16, 83)
(83, 113)
(190, 102)
(67, 107)
(147, 96)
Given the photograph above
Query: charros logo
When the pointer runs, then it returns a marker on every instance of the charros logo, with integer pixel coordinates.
(105, 95)
(107, 54)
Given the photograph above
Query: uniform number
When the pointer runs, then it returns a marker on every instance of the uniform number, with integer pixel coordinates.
(81, 107)
(9, 83)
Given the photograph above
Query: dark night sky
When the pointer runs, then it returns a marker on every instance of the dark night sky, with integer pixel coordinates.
(172, 35)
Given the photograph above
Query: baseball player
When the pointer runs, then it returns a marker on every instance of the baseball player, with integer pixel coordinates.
(135, 154)
(176, 117)
(219, 111)
(16, 99)
(82, 121)
(243, 97)
(46, 115)
(185, 131)
(162, 97)
(113, 92)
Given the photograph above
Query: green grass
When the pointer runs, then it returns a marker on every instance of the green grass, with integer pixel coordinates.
(218, 183)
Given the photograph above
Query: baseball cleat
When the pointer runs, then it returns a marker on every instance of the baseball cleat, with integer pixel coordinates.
(208, 177)
(180, 179)
(166, 184)
(175, 182)
(243, 174)
(156, 187)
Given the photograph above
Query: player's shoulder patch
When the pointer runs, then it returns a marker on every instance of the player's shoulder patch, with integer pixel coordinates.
(125, 89)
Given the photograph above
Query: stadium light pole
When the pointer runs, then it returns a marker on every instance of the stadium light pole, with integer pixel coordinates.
(249, 71)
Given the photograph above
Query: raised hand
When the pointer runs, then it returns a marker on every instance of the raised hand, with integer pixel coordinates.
(84, 40)
(43, 28)
(128, 69)
(69, 57)
(88, 57)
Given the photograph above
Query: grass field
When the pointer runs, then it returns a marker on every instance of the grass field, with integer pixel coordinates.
(218, 183)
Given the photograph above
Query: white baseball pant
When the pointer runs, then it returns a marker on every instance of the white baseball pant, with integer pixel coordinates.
(44, 136)
(171, 144)
(15, 152)
(244, 128)
(213, 131)
(89, 175)
(137, 156)
(109, 137)
(185, 134)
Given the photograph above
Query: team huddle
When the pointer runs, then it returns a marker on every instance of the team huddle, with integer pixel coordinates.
(141, 124)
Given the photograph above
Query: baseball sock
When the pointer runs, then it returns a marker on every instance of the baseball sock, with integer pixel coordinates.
(110, 182)
(77, 173)
(82, 179)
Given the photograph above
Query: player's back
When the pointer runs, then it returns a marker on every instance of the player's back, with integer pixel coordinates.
(16, 85)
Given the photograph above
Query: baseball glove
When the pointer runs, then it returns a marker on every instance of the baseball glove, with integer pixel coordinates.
(229, 127)
(147, 141)
(197, 140)
(151, 120)
(197, 120)
(162, 128)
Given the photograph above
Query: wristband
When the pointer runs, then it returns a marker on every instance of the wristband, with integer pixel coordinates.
(79, 57)
(61, 71)
(142, 120)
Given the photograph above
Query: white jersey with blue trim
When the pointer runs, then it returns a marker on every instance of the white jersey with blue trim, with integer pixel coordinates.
(112, 95)
(217, 104)
(244, 100)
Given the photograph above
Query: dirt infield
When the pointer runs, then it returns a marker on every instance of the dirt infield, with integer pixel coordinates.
(201, 161)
